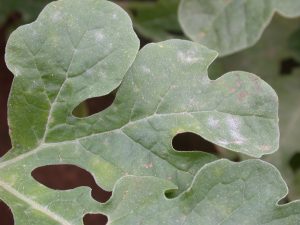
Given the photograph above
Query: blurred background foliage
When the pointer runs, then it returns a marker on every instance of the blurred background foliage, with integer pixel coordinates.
(275, 58)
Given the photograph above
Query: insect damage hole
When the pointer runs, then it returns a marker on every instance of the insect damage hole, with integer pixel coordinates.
(94, 105)
(6, 216)
(65, 177)
(95, 219)
(189, 141)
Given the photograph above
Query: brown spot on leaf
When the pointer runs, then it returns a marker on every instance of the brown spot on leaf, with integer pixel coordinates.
(242, 95)
(148, 166)
(232, 90)
(265, 148)
(201, 35)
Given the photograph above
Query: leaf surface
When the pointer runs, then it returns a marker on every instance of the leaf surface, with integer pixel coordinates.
(69, 55)
(229, 26)
(270, 56)
(222, 192)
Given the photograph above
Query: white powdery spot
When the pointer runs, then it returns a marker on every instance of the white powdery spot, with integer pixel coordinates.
(222, 142)
(238, 138)
(57, 16)
(34, 84)
(114, 16)
(135, 89)
(109, 46)
(239, 142)
(188, 57)
(212, 122)
(146, 69)
(205, 80)
(99, 36)
(89, 72)
(192, 103)
(234, 126)
(233, 122)
(265, 148)
(34, 33)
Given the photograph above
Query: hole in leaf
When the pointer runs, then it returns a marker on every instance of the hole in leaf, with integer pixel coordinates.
(283, 201)
(6, 216)
(288, 65)
(295, 162)
(95, 219)
(64, 177)
(188, 141)
(172, 193)
(94, 105)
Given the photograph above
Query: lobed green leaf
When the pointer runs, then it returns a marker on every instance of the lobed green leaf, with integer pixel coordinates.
(229, 26)
(269, 56)
(76, 50)
(222, 192)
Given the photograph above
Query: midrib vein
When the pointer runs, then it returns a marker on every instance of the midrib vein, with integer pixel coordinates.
(45, 145)
(61, 88)
(34, 204)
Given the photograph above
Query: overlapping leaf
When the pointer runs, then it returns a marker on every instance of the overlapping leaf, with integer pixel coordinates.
(222, 192)
(69, 55)
(270, 59)
(231, 25)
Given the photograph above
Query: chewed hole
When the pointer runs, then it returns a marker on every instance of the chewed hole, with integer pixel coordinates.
(94, 105)
(288, 65)
(95, 219)
(295, 162)
(188, 141)
(283, 201)
(6, 216)
(171, 193)
(65, 177)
